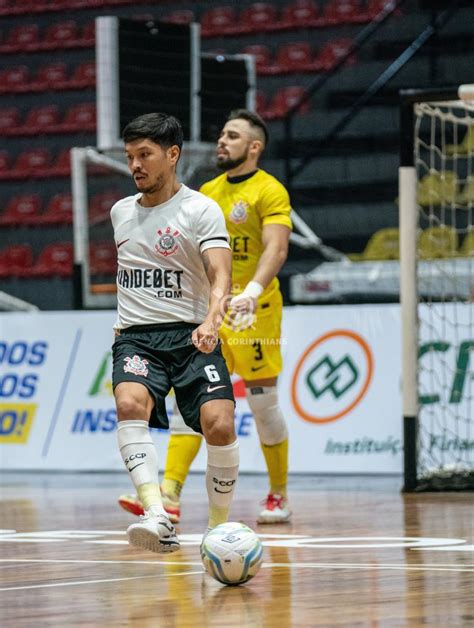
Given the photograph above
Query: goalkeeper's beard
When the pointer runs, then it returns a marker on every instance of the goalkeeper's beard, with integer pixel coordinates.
(229, 164)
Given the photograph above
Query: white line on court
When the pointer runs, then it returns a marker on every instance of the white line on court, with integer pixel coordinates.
(78, 582)
(369, 566)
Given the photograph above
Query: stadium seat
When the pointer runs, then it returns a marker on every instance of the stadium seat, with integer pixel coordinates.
(435, 242)
(220, 21)
(437, 188)
(14, 80)
(259, 18)
(21, 39)
(80, 118)
(31, 163)
(383, 245)
(467, 246)
(330, 54)
(263, 58)
(21, 210)
(84, 76)
(100, 206)
(51, 76)
(87, 38)
(345, 12)
(103, 258)
(9, 120)
(58, 211)
(284, 99)
(180, 16)
(54, 260)
(294, 57)
(302, 14)
(61, 166)
(41, 119)
(16, 260)
(61, 35)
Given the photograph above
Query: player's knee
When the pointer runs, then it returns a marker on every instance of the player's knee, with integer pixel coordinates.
(130, 408)
(269, 420)
(219, 428)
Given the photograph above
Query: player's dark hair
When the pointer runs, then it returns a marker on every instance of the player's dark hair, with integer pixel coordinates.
(161, 128)
(252, 118)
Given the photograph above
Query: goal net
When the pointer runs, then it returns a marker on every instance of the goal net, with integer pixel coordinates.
(437, 233)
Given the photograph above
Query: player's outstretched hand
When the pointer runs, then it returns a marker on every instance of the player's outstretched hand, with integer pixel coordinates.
(204, 337)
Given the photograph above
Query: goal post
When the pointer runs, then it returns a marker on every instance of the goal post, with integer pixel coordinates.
(436, 200)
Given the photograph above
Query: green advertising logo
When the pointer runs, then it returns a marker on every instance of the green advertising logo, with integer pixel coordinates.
(337, 377)
(462, 371)
(101, 383)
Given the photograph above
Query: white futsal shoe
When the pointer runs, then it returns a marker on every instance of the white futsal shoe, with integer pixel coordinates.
(153, 532)
(275, 510)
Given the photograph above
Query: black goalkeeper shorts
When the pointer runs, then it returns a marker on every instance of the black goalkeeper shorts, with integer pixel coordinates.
(162, 357)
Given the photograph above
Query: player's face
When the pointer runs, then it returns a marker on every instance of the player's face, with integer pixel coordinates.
(151, 165)
(234, 144)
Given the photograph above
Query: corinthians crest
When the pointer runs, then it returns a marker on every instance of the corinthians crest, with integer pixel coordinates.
(166, 243)
(238, 213)
(135, 365)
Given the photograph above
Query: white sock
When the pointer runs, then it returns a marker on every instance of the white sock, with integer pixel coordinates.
(221, 476)
(139, 455)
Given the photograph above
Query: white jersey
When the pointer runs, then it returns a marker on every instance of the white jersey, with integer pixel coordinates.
(161, 276)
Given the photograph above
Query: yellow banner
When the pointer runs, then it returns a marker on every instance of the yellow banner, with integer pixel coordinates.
(15, 422)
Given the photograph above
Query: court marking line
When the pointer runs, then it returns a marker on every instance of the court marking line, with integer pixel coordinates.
(62, 393)
(101, 581)
(369, 566)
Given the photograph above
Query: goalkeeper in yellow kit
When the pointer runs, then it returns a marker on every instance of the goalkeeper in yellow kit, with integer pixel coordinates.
(257, 212)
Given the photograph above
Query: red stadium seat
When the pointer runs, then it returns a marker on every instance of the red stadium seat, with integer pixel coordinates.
(16, 260)
(14, 80)
(22, 39)
(302, 14)
(181, 16)
(41, 119)
(80, 118)
(61, 166)
(294, 57)
(9, 120)
(21, 210)
(88, 35)
(54, 260)
(220, 21)
(31, 163)
(5, 161)
(51, 76)
(345, 12)
(84, 76)
(58, 211)
(263, 58)
(61, 35)
(284, 100)
(331, 52)
(103, 258)
(260, 17)
(100, 206)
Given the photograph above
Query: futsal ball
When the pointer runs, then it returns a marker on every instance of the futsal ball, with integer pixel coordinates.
(232, 553)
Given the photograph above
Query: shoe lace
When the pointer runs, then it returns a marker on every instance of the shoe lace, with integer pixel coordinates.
(272, 500)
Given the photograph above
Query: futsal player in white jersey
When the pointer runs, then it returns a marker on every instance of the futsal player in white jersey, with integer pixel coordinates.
(174, 273)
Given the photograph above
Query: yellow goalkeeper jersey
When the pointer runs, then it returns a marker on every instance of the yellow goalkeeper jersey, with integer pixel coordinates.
(249, 203)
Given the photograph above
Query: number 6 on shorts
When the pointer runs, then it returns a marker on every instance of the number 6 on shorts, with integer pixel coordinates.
(212, 374)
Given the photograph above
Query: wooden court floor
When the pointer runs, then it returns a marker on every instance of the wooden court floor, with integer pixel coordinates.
(357, 553)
